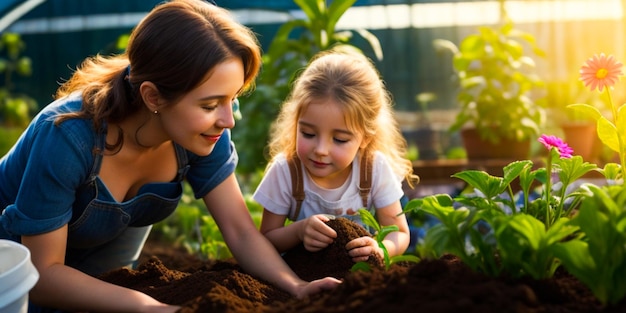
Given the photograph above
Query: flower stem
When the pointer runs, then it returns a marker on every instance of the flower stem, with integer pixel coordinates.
(512, 197)
(620, 140)
(548, 187)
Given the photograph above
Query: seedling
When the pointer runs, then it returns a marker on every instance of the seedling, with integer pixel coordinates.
(380, 233)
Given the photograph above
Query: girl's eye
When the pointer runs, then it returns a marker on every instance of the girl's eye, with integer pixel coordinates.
(340, 141)
(209, 108)
(307, 135)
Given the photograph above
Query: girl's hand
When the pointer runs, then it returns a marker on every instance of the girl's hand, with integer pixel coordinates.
(362, 248)
(309, 288)
(315, 234)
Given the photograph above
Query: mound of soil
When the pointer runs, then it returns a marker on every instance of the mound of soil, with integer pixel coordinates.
(441, 285)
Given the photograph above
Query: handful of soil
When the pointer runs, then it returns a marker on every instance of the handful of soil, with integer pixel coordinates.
(333, 260)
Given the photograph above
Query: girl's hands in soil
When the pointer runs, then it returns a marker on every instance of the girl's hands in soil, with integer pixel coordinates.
(316, 234)
(362, 248)
(313, 287)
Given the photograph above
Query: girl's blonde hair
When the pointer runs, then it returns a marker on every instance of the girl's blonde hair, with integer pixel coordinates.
(174, 47)
(351, 80)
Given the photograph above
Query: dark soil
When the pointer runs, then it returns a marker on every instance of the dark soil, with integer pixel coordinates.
(441, 285)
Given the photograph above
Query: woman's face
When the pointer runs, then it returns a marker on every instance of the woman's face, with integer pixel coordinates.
(198, 120)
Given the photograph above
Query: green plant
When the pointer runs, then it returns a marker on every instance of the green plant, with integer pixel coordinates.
(489, 240)
(15, 108)
(526, 247)
(598, 259)
(499, 89)
(294, 44)
(493, 230)
(380, 233)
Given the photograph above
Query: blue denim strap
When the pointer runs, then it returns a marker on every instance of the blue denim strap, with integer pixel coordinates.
(183, 166)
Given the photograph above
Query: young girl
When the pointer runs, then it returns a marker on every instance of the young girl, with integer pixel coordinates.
(97, 167)
(338, 114)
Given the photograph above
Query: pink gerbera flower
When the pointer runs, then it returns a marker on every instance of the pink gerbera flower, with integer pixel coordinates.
(565, 152)
(600, 71)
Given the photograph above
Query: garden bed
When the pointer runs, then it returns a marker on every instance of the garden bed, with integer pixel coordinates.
(441, 285)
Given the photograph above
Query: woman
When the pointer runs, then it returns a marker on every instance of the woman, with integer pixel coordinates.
(106, 160)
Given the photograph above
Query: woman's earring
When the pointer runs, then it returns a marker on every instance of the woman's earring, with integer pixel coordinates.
(156, 112)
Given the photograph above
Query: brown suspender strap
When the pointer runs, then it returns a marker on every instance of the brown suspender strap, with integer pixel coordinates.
(297, 183)
(365, 183)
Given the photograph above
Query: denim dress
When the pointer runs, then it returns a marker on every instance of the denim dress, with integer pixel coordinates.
(50, 179)
(104, 234)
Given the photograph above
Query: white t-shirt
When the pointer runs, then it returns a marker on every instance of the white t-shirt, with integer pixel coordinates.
(275, 192)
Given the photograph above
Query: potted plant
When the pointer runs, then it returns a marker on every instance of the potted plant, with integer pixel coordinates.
(499, 92)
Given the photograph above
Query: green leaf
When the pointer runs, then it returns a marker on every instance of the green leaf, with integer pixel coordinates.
(574, 254)
(611, 171)
(573, 168)
(404, 258)
(490, 186)
(514, 169)
(386, 230)
(373, 41)
(312, 8)
(586, 110)
(444, 45)
(608, 134)
(361, 266)
(526, 179)
(336, 9)
(369, 219)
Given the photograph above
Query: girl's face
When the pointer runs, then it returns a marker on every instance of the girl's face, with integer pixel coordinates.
(325, 145)
(198, 120)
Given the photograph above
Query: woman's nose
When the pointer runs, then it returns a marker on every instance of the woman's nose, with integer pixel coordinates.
(226, 118)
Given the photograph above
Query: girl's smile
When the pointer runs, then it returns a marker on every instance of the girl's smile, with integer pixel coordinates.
(319, 164)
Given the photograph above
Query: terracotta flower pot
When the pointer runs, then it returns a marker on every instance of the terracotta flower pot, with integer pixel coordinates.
(583, 139)
(480, 149)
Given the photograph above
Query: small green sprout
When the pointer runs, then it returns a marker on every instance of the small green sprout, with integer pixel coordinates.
(380, 233)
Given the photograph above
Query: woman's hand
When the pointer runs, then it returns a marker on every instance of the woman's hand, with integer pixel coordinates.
(164, 309)
(362, 248)
(316, 234)
(316, 286)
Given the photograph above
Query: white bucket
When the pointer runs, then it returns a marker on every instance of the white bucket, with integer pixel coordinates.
(17, 277)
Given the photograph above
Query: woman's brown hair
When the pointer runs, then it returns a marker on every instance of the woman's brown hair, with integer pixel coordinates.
(174, 47)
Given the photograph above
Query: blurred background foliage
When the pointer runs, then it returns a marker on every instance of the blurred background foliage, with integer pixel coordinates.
(16, 108)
